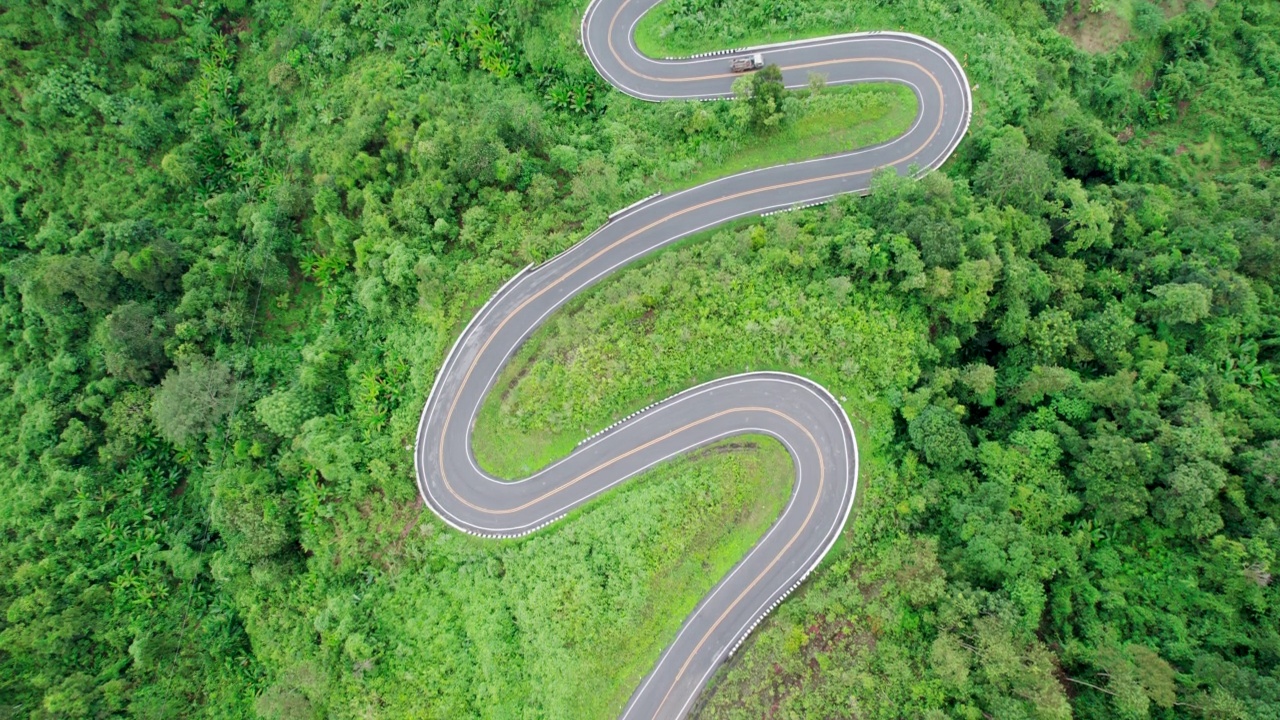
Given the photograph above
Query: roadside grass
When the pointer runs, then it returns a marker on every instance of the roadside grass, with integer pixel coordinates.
(835, 120)
(757, 475)
(510, 455)
(654, 34)
(830, 121)
(573, 616)
(609, 353)
(708, 307)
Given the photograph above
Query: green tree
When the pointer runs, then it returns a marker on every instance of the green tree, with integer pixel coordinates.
(192, 399)
(1188, 503)
(763, 93)
(1108, 335)
(1113, 474)
(980, 380)
(155, 266)
(1050, 335)
(1014, 174)
(1136, 679)
(133, 346)
(253, 519)
(1186, 303)
(284, 410)
(939, 435)
(91, 282)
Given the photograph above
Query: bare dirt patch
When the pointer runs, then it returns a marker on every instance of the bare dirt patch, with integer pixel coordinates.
(722, 449)
(1102, 32)
(1093, 32)
(525, 366)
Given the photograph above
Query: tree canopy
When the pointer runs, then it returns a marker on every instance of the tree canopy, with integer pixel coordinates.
(237, 239)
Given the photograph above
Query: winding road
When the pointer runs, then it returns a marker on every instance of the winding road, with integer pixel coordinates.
(798, 412)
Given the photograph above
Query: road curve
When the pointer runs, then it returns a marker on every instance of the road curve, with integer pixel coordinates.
(798, 412)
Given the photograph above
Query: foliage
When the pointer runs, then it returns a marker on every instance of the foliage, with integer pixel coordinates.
(722, 303)
(192, 399)
(236, 240)
(762, 93)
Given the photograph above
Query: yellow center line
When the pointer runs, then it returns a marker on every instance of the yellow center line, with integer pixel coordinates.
(466, 378)
(629, 453)
(822, 467)
(822, 474)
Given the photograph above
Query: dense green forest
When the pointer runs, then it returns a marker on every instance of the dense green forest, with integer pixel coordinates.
(236, 239)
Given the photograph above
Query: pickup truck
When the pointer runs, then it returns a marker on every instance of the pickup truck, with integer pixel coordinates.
(747, 62)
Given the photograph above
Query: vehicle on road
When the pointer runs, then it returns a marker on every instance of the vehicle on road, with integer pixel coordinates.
(747, 62)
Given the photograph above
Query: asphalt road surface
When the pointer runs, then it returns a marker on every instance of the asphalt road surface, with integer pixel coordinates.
(796, 411)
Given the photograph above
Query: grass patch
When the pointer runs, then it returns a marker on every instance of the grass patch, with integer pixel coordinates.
(726, 301)
(533, 449)
(835, 120)
(564, 623)
(511, 445)
(758, 473)
(282, 316)
(657, 34)
(1099, 32)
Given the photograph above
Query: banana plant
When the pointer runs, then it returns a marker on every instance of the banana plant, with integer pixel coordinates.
(559, 97)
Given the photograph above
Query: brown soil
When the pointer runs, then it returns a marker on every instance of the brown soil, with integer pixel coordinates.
(507, 389)
(722, 449)
(1105, 31)
(414, 517)
(1094, 32)
(646, 320)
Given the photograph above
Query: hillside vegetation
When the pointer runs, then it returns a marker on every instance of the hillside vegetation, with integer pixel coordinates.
(236, 240)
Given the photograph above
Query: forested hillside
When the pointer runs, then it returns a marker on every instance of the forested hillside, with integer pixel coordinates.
(237, 238)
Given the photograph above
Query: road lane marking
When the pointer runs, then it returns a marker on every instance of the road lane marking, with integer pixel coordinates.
(570, 273)
(447, 422)
(804, 525)
(627, 454)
